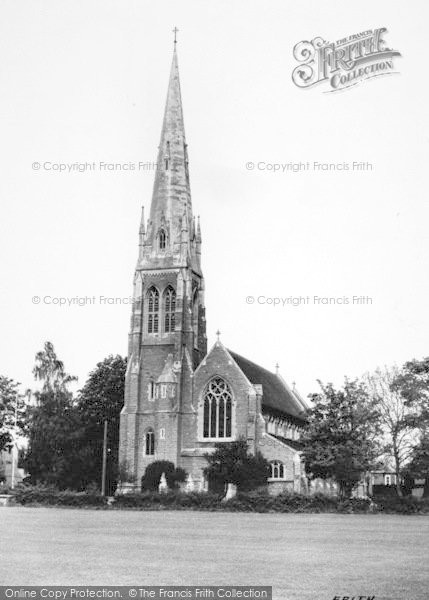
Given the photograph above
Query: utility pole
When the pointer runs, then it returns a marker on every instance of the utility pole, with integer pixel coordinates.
(14, 448)
(103, 475)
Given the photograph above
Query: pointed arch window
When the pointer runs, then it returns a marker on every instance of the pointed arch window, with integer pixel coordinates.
(162, 239)
(152, 299)
(149, 443)
(217, 410)
(169, 309)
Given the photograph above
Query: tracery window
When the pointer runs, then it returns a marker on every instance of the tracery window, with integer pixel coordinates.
(217, 409)
(277, 470)
(169, 309)
(152, 298)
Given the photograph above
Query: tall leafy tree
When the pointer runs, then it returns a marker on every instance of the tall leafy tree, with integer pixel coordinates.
(53, 454)
(49, 369)
(341, 439)
(11, 405)
(397, 417)
(66, 433)
(101, 399)
(418, 468)
(413, 384)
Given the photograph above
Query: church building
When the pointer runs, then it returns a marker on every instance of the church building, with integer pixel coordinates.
(180, 399)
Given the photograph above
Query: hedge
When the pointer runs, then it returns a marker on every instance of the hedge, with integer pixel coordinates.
(257, 502)
(170, 500)
(50, 496)
(405, 506)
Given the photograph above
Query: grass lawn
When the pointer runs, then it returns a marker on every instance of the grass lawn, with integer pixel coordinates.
(304, 557)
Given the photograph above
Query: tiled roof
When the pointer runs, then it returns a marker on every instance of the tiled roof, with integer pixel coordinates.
(276, 397)
(292, 443)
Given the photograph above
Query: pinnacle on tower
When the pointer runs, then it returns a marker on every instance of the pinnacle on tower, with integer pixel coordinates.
(142, 229)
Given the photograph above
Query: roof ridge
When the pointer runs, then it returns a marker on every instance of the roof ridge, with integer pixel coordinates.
(276, 394)
(250, 361)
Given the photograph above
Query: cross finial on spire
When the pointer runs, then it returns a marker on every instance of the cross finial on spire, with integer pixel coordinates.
(277, 368)
(175, 30)
(218, 335)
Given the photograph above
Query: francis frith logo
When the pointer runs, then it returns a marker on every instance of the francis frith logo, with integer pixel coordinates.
(343, 63)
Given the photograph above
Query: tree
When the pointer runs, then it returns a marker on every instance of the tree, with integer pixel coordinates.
(340, 441)
(418, 468)
(66, 434)
(102, 398)
(413, 385)
(232, 463)
(412, 381)
(50, 370)
(53, 455)
(10, 401)
(396, 417)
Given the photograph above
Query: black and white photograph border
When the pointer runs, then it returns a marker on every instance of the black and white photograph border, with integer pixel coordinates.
(214, 375)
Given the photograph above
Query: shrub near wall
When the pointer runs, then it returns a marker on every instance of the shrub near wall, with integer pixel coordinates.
(294, 503)
(170, 500)
(50, 496)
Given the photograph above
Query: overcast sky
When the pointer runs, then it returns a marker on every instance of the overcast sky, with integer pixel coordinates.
(86, 81)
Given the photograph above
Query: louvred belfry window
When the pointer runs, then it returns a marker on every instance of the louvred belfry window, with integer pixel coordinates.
(152, 303)
(169, 310)
(217, 409)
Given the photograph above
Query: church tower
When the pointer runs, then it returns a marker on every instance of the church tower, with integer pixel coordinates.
(167, 338)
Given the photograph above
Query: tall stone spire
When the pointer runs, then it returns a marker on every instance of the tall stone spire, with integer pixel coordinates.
(167, 338)
(171, 198)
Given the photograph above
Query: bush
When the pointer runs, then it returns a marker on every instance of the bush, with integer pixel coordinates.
(149, 500)
(152, 477)
(51, 496)
(287, 502)
(406, 506)
(6, 490)
(384, 491)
